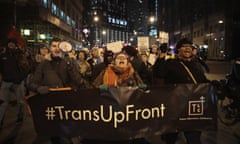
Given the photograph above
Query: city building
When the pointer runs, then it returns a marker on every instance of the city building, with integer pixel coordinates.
(38, 21)
(137, 14)
(212, 25)
(153, 17)
(105, 22)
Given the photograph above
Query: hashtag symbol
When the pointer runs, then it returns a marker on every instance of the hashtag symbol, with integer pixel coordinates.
(50, 113)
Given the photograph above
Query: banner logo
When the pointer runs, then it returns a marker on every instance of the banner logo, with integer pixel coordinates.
(195, 108)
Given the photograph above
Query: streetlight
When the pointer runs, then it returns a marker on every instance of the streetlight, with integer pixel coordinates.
(96, 19)
(220, 39)
(220, 21)
(153, 32)
(151, 19)
(104, 34)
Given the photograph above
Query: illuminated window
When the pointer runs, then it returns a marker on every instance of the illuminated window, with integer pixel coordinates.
(45, 3)
(68, 20)
(73, 23)
(125, 23)
(121, 22)
(109, 19)
(62, 15)
(54, 8)
(117, 21)
(153, 32)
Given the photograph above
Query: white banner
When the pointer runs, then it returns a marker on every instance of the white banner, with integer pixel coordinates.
(115, 47)
(143, 43)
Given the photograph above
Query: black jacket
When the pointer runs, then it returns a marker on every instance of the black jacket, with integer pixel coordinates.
(172, 71)
(57, 73)
(13, 67)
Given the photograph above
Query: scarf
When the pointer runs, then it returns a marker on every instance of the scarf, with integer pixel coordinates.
(115, 75)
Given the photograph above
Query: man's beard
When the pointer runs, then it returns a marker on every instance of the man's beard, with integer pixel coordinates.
(60, 55)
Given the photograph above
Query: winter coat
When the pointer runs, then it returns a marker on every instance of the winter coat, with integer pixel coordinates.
(123, 78)
(172, 71)
(14, 67)
(56, 73)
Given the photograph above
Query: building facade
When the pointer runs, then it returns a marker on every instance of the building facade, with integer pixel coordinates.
(105, 22)
(38, 21)
(213, 25)
(137, 14)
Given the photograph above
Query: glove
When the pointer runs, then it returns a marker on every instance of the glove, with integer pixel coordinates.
(103, 87)
(43, 89)
(142, 86)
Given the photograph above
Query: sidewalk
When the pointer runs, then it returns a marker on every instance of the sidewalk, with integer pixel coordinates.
(215, 76)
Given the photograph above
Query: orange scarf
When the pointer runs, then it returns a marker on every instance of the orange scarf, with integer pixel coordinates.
(116, 75)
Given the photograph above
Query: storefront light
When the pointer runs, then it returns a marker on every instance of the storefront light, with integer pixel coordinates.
(42, 36)
(26, 32)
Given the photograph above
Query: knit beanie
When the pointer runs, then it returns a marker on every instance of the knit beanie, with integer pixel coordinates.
(182, 42)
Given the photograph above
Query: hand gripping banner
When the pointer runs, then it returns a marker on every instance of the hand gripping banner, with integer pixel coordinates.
(125, 112)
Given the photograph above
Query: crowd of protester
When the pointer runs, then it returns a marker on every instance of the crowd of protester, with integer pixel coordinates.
(23, 72)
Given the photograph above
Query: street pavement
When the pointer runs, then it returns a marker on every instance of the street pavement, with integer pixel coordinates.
(24, 133)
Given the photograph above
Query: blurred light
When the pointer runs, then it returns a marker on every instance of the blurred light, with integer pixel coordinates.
(30, 40)
(26, 32)
(42, 36)
(220, 21)
(96, 18)
(205, 46)
(151, 19)
(171, 47)
(85, 30)
(135, 33)
(104, 32)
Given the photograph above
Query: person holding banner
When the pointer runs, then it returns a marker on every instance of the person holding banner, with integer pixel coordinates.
(118, 74)
(121, 73)
(58, 72)
(182, 69)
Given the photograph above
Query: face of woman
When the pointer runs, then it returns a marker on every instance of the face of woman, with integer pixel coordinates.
(185, 51)
(121, 61)
(81, 56)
